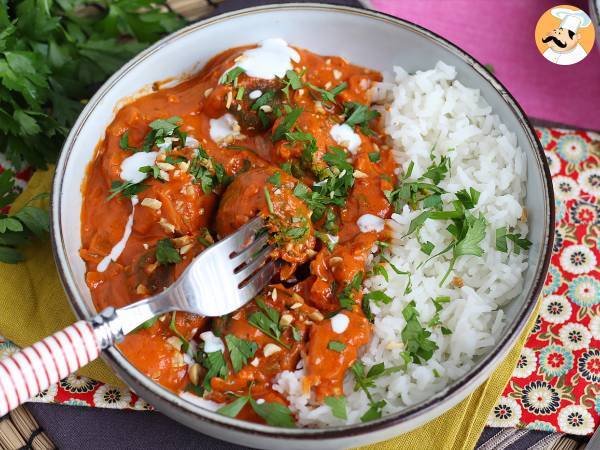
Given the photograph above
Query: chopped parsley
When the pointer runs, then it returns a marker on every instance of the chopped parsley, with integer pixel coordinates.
(208, 172)
(336, 346)
(427, 247)
(415, 337)
(166, 253)
(154, 171)
(286, 124)
(329, 96)
(240, 351)
(163, 132)
(273, 413)
(267, 321)
(375, 157)
(503, 236)
(438, 302)
(360, 115)
(346, 296)
(293, 81)
(215, 363)
(231, 76)
(376, 296)
(365, 380)
(185, 345)
(275, 179)
(125, 189)
(268, 200)
(337, 406)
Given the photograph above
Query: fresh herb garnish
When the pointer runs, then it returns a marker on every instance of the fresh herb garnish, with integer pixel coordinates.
(267, 321)
(215, 363)
(147, 324)
(360, 115)
(166, 253)
(365, 380)
(231, 76)
(185, 345)
(268, 200)
(336, 346)
(375, 157)
(286, 124)
(21, 227)
(275, 179)
(438, 303)
(468, 198)
(502, 237)
(415, 337)
(346, 297)
(337, 406)
(208, 172)
(376, 296)
(125, 189)
(329, 96)
(240, 351)
(273, 413)
(163, 133)
(427, 247)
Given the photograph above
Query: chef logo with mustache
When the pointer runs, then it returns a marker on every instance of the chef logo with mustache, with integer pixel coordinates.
(564, 35)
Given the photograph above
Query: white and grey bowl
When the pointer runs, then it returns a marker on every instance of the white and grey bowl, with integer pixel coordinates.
(366, 38)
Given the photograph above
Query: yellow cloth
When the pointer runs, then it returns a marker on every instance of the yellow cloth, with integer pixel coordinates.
(34, 305)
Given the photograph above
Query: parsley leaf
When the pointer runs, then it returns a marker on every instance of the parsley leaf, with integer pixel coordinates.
(125, 189)
(240, 351)
(267, 321)
(208, 172)
(415, 337)
(185, 345)
(338, 406)
(274, 413)
(232, 75)
(329, 96)
(286, 124)
(520, 242)
(233, 409)
(376, 296)
(166, 253)
(216, 365)
(336, 346)
(346, 296)
(360, 115)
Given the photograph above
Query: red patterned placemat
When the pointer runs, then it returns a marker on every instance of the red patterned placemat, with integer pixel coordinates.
(556, 385)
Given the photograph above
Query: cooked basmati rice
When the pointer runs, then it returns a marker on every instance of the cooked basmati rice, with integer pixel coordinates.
(425, 111)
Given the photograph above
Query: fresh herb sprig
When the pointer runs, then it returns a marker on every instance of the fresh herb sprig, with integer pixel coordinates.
(504, 234)
(273, 413)
(53, 56)
(360, 115)
(415, 337)
(19, 228)
(240, 351)
(266, 319)
(206, 171)
(366, 379)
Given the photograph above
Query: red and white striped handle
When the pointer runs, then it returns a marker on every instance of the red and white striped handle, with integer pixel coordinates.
(35, 368)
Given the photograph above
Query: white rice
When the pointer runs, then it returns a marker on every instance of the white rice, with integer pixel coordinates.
(420, 111)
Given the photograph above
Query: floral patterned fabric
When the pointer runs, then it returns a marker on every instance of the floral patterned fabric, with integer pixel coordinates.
(556, 384)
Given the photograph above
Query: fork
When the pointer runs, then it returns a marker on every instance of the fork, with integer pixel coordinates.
(224, 277)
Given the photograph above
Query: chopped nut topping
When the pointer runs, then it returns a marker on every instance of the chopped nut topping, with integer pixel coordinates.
(337, 74)
(208, 92)
(359, 174)
(296, 305)
(229, 99)
(141, 289)
(183, 166)
(174, 342)
(316, 316)
(266, 108)
(285, 320)
(182, 241)
(151, 203)
(194, 373)
(168, 227)
(165, 166)
(164, 175)
(394, 345)
(271, 349)
(186, 248)
(524, 215)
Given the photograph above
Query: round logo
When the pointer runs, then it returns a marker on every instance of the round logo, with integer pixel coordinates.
(564, 35)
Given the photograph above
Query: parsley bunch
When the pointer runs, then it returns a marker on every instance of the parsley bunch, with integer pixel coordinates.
(54, 55)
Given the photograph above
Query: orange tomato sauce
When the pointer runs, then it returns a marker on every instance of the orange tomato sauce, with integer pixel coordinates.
(313, 277)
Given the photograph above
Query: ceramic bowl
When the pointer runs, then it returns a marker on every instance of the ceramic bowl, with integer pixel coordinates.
(364, 37)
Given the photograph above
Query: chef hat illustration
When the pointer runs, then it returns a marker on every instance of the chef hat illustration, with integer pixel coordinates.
(571, 20)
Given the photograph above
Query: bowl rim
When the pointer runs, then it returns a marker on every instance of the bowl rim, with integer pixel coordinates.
(454, 391)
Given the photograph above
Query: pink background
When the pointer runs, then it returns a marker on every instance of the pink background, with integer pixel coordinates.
(501, 33)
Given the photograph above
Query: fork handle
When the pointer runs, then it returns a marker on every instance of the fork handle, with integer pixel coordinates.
(33, 369)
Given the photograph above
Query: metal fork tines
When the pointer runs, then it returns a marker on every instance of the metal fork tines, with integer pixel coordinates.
(223, 278)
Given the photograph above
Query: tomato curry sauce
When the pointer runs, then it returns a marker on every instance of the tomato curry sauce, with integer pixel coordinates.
(268, 130)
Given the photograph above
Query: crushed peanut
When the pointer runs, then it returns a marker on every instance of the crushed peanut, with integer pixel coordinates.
(151, 203)
(168, 227)
(458, 282)
(271, 349)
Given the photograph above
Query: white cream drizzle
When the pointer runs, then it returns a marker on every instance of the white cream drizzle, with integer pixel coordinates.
(119, 246)
(345, 136)
(339, 323)
(370, 222)
(223, 127)
(272, 58)
(130, 167)
(212, 343)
